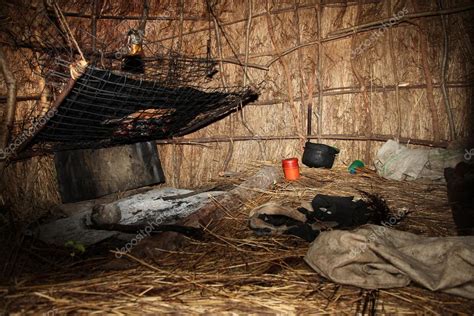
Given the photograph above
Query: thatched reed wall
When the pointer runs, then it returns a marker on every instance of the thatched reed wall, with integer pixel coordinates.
(359, 100)
(316, 79)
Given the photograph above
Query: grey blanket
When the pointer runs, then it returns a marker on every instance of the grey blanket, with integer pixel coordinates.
(374, 257)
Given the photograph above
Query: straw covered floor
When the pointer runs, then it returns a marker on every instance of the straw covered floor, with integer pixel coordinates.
(232, 270)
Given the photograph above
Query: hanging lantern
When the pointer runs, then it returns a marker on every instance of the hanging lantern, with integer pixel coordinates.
(133, 61)
(134, 42)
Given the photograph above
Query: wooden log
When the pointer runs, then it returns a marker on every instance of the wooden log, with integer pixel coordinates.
(211, 213)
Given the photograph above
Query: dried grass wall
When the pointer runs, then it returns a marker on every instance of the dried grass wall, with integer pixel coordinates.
(392, 88)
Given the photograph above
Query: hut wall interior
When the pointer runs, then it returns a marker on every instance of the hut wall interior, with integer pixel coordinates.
(356, 86)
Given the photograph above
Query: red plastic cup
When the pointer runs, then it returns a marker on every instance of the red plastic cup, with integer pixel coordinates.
(291, 168)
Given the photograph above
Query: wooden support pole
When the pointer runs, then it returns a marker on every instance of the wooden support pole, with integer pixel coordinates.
(376, 24)
(202, 141)
(54, 107)
(133, 17)
(309, 118)
(444, 72)
(320, 74)
(393, 61)
(325, 92)
(180, 25)
(374, 137)
(95, 6)
(375, 88)
(424, 53)
(4, 99)
(331, 37)
(9, 115)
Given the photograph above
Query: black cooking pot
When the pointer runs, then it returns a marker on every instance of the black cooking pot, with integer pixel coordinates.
(319, 155)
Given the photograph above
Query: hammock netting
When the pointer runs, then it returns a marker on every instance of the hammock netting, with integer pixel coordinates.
(107, 108)
(119, 98)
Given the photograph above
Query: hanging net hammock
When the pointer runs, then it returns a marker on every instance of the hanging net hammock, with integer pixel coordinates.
(123, 91)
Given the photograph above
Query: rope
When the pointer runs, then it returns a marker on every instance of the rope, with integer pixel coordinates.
(77, 69)
(67, 30)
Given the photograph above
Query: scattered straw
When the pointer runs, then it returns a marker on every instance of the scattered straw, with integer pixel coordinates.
(234, 271)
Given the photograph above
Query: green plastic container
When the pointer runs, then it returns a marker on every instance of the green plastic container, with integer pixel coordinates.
(354, 165)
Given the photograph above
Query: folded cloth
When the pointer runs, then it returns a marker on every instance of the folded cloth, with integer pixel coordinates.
(374, 257)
